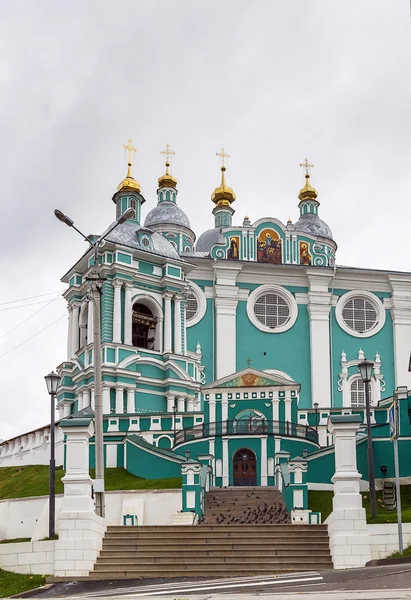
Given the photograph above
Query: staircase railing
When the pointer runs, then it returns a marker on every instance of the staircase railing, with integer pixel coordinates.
(246, 427)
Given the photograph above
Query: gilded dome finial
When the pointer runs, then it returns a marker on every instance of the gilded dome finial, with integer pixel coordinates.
(223, 194)
(129, 181)
(307, 192)
(167, 180)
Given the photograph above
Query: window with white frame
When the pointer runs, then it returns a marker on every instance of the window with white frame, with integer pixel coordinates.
(272, 310)
(359, 314)
(191, 306)
(358, 393)
(195, 304)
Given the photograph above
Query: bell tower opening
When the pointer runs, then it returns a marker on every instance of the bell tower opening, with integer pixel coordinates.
(144, 327)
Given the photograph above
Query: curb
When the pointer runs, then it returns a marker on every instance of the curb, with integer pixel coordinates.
(33, 592)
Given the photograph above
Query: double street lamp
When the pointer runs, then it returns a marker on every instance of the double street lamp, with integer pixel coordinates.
(52, 383)
(365, 368)
(96, 280)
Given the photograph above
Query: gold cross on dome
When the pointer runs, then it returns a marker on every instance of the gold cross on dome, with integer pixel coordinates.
(223, 156)
(130, 152)
(306, 166)
(168, 152)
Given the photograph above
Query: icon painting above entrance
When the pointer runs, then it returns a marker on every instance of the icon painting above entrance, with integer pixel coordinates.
(245, 468)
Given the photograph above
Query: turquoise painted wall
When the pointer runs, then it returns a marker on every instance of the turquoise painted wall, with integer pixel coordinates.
(150, 465)
(203, 333)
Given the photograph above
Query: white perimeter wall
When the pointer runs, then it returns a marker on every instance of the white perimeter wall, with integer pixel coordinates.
(384, 538)
(36, 558)
(28, 517)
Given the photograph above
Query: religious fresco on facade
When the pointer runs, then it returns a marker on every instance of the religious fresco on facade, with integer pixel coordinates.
(233, 251)
(305, 256)
(269, 247)
(249, 380)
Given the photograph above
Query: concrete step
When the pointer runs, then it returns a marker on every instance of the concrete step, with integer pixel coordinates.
(212, 557)
(248, 527)
(199, 574)
(241, 548)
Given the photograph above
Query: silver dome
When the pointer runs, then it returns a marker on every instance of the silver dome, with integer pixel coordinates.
(126, 235)
(167, 212)
(207, 239)
(313, 225)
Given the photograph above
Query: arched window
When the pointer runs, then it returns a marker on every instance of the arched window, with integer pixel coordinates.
(358, 393)
(144, 327)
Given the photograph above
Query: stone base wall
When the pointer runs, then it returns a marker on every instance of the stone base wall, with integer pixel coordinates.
(34, 558)
(349, 538)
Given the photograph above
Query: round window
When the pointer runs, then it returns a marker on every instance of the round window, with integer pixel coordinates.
(191, 306)
(359, 314)
(272, 310)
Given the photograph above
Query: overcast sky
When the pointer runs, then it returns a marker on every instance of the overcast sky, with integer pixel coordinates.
(272, 81)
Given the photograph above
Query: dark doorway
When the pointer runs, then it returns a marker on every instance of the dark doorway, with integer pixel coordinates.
(244, 467)
(144, 324)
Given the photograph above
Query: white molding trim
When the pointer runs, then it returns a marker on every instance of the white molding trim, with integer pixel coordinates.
(285, 294)
(375, 301)
(201, 304)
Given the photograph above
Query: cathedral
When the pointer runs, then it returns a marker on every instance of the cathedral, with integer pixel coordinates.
(237, 344)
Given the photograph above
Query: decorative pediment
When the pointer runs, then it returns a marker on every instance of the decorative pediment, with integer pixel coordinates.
(251, 378)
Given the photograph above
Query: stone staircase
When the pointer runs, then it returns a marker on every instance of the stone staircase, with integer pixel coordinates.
(244, 506)
(211, 551)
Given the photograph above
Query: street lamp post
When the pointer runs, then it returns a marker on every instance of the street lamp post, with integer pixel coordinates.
(316, 417)
(96, 280)
(365, 368)
(52, 383)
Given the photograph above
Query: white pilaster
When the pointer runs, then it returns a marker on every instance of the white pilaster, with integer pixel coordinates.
(119, 400)
(177, 323)
(226, 294)
(211, 408)
(224, 409)
(106, 400)
(287, 402)
(92, 399)
(117, 312)
(190, 404)
(75, 329)
(86, 397)
(69, 335)
(131, 405)
(276, 407)
(90, 323)
(226, 478)
(128, 314)
(401, 320)
(170, 402)
(180, 404)
(167, 322)
(319, 307)
(263, 460)
(80, 400)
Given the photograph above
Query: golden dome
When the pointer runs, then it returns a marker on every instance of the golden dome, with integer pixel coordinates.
(167, 180)
(307, 192)
(223, 195)
(129, 183)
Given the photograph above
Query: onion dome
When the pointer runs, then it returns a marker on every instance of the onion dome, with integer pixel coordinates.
(167, 180)
(129, 183)
(307, 192)
(167, 213)
(309, 221)
(223, 195)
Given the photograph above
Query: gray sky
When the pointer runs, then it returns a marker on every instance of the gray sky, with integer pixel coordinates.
(272, 81)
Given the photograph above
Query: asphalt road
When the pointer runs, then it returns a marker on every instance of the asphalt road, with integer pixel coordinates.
(387, 578)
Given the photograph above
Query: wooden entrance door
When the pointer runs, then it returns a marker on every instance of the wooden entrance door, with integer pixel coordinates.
(244, 467)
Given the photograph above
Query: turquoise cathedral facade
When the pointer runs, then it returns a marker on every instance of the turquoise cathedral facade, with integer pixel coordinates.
(236, 346)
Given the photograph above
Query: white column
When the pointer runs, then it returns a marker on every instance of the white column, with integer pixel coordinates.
(66, 409)
(226, 310)
(276, 407)
(211, 409)
(117, 312)
(177, 323)
(190, 404)
(226, 478)
(263, 460)
(92, 399)
(69, 334)
(170, 402)
(86, 397)
(287, 402)
(80, 400)
(119, 400)
(90, 324)
(75, 329)
(128, 314)
(167, 322)
(224, 410)
(131, 407)
(180, 404)
(106, 400)
(401, 320)
(319, 307)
